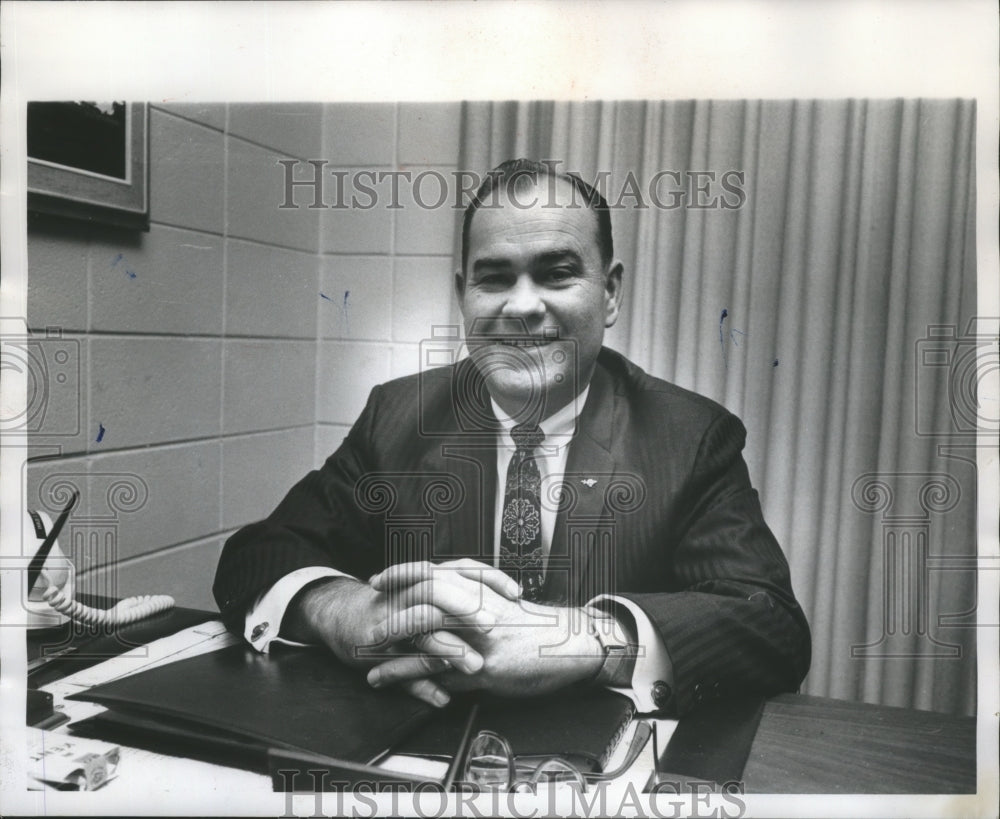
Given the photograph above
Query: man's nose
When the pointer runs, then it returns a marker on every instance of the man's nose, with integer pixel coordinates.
(524, 299)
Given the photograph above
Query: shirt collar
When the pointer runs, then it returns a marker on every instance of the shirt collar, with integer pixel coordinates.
(559, 427)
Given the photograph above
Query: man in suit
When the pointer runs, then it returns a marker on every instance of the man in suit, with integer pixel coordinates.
(540, 514)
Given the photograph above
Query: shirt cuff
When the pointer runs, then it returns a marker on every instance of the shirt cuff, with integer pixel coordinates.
(263, 620)
(652, 676)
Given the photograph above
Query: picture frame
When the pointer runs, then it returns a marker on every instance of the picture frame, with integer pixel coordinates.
(90, 161)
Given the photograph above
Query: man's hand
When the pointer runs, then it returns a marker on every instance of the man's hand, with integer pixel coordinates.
(531, 649)
(342, 613)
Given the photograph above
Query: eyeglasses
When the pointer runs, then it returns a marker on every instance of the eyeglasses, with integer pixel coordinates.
(484, 761)
(492, 765)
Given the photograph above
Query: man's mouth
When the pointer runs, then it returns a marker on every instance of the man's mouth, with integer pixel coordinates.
(524, 342)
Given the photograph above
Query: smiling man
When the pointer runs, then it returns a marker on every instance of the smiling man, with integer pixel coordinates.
(538, 273)
(541, 513)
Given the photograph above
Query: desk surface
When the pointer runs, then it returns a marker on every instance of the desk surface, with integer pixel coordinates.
(803, 745)
(817, 745)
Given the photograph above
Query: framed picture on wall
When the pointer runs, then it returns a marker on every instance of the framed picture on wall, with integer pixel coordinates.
(89, 160)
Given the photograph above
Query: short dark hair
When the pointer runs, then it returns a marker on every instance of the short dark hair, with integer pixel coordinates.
(519, 175)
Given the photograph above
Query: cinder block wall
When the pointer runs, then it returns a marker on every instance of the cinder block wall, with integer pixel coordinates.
(225, 352)
(394, 263)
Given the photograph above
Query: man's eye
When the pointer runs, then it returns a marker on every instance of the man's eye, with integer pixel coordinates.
(559, 274)
(493, 280)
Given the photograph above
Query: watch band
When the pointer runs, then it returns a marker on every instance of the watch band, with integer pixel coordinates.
(619, 649)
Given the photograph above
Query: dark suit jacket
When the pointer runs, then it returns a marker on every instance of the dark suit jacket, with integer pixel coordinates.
(656, 506)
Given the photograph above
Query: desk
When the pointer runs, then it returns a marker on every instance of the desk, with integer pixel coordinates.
(803, 745)
(818, 745)
(86, 646)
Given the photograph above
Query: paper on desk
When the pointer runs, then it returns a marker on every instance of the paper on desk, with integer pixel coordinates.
(190, 642)
(148, 771)
(69, 763)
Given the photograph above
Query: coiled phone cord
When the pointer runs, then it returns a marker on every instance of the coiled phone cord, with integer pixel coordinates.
(126, 611)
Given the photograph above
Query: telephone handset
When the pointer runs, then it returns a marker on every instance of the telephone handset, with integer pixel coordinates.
(50, 584)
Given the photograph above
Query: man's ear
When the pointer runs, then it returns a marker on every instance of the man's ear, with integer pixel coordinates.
(613, 292)
(459, 286)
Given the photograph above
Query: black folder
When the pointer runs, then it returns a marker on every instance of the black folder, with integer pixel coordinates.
(231, 706)
(234, 704)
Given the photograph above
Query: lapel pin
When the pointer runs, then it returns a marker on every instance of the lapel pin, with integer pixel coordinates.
(588, 482)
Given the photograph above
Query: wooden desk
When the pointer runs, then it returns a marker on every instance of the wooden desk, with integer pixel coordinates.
(817, 745)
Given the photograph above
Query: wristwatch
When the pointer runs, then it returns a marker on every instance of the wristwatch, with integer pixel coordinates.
(618, 646)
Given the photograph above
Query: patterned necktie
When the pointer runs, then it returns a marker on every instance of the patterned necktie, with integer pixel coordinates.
(521, 525)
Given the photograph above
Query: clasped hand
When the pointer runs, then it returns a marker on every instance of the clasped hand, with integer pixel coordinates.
(433, 629)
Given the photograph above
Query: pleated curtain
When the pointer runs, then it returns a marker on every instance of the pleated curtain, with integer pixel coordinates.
(807, 310)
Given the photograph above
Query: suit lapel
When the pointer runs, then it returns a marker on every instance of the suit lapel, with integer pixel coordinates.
(583, 516)
(465, 447)
(469, 530)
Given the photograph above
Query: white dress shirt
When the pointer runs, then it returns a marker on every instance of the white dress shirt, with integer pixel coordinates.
(652, 665)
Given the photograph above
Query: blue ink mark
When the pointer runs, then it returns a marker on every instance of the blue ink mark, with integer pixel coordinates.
(345, 312)
(344, 307)
(118, 258)
(732, 335)
(100, 433)
(722, 339)
(775, 364)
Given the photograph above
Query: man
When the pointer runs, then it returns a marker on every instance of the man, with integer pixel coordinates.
(620, 503)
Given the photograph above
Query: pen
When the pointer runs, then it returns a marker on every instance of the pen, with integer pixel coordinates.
(458, 761)
(38, 561)
(40, 661)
